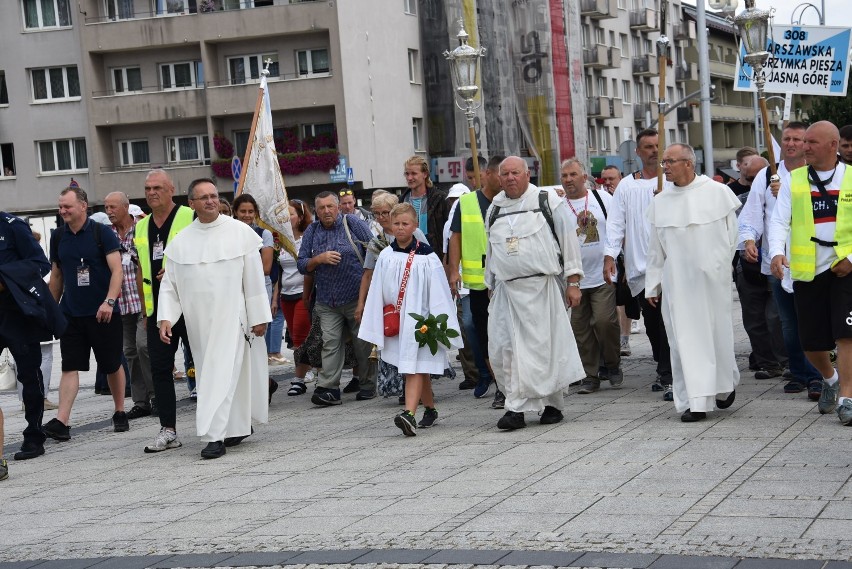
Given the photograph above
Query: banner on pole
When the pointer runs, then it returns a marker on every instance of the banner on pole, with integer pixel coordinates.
(808, 60)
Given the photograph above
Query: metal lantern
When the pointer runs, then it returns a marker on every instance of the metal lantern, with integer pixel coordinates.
(753, 27)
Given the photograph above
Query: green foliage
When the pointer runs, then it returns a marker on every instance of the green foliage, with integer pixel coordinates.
(837, 110)
(435, 331)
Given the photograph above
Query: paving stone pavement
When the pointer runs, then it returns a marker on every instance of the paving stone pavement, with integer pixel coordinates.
(620, 483)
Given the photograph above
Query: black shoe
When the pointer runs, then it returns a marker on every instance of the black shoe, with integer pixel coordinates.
(767, 373)
(326, 397)
(482, 387)
(693, 416)
(29, 450)
(657, 386)
(550, 415)
(406, 423)
(214, 450)
(365, 395)
(57, 430)
(273, 387)
(119, 422)
(402, 399)
(499, 400)
(467, 384)
(155, 411)
(511, 421)
(728, 401)
(136, 412)
(234, 441)
(103, 391)
(354, 386)
(430, 417)
(669, 393)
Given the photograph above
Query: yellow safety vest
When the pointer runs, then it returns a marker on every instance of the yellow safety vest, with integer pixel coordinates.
(183, 218)
(802, 249)
(473, 242)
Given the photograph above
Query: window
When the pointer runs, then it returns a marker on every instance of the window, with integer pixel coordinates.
(602, 86)
(604, 138)
(185, 75)
(317, 129)
(586, 36)
(600, 36)
(636, 45)
(625, 91)
(417, 132)
(4, 94)
(45, 14)
(57, 156)
(622, 4)
(640, 94)
(7, 161)
(615, 88)
(625, 46)
(168, 7)
(592, 132)
(410, 7)
(312, 61)
(247, 68)
(671, 136)
(55, 83)
(127, 80)
(133, 152)
(194, 148)
(612, 38)
(413, 66)
(119, 9)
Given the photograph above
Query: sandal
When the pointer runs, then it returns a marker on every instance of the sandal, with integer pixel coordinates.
(297, 388)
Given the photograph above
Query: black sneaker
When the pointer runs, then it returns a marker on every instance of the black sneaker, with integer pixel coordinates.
(119, 422)
(325, 397)
(511, 421)
(550, 415)
(136, 412)
(406, 423)
(29, 450)
(669, 393)
(467, 384)
(354, 386)
(499, 400)
(482, 387)
(430, 416)
(657, 386)
(365, 395)
(273, 387)
(57, 430)
(768, 373)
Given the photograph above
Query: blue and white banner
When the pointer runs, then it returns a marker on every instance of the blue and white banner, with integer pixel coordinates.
(807, 60)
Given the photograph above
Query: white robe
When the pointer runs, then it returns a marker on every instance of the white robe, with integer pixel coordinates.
(693, 238)
(214, 277)
(530, 340)
(427, 292)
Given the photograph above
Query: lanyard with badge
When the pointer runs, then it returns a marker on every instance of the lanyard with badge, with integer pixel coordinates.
(512, 243)
(83, 278)
(157, 250)
(582, 222)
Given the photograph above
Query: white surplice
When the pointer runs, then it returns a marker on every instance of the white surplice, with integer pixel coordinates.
(427, 292)
(530, 340)
(692, 241)
(214, 278)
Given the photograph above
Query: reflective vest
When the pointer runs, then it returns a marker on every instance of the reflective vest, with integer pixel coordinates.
(473, 242)
(802, 248)
(183, 218)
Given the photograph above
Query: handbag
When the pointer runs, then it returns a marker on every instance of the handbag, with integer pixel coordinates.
(8, 371)
(390, 312)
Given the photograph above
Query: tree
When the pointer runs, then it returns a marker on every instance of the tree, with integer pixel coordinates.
(837, 110)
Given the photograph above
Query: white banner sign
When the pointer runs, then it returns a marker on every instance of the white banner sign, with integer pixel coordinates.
(808, 60)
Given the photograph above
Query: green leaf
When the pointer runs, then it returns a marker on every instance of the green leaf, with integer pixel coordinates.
(416, 317)
(433, 346)
(445, 341)
(442, 318)
(419, 336)
(452, 333)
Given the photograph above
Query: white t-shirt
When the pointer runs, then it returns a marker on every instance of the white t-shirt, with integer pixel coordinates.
(587, 219)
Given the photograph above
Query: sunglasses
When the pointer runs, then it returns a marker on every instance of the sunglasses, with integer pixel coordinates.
(346, 193)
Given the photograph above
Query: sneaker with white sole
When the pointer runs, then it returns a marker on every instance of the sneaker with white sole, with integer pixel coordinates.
(635, 327)
(165, 440)
(625, 346)
(828, 398)
(844, 412)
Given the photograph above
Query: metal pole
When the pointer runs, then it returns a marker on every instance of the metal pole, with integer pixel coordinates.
(471, 132)
(704, 79)
(757, 140)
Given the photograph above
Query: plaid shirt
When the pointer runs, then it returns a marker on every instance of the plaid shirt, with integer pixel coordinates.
(129, 301)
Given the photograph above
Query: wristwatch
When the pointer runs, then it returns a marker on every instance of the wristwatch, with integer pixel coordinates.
(110, 301)
(576, 284)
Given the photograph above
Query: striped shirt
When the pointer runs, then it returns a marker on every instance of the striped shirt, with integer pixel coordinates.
(336, 284)
(129, 301)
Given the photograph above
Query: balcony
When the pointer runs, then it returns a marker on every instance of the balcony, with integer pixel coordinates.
(132, 180)
(646, 66)
(287, 93)
(722, 69)
(604, 108)
(685, 114)
(731, 113)
(640, 110)
(602, 57)
(151, 104)
(684, 72)
(599, 9)
(684, 31)
(644, 20)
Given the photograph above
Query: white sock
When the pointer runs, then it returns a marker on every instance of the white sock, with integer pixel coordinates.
(840, 400)
(833, 379)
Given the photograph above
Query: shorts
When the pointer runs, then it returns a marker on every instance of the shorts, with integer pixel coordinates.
(84, 335)
(824, 310)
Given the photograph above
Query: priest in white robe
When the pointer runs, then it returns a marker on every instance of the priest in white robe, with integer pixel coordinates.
(693, 237)
(214, 278)
(534, 274)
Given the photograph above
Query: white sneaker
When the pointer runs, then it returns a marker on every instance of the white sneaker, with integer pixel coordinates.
(635, 327)
(309, 377)
(625, 345)
(165, 440)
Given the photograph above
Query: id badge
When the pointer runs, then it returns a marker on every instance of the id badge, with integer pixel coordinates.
(83, 275)
(157, 251)
(512, 247)
(125, 259)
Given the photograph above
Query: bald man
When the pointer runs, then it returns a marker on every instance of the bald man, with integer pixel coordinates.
(817, 213)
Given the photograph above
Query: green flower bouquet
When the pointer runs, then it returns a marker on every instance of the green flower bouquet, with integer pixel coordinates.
(432, 329)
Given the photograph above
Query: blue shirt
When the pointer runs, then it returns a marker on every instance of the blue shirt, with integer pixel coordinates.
(336, 284)
(420, 206)
(80, 249)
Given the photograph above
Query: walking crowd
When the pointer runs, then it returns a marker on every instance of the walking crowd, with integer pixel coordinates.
(538, 289)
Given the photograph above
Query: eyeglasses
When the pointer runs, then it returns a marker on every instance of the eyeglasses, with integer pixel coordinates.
(670, 161)
(346, 193)
(210, 198)
(381, 213)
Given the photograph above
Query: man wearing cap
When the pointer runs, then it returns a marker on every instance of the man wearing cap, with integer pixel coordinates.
(123, 224)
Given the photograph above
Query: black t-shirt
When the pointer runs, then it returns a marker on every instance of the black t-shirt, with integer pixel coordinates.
(484, 203)
(156, 234)
(737, 187)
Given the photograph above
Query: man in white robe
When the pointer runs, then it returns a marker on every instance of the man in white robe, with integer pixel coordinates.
(693, 237)
(534, 274)
(214, 278)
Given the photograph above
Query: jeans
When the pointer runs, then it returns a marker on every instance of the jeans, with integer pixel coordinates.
(187, 363)
(274, 333)
(799, 365)
(473, 339)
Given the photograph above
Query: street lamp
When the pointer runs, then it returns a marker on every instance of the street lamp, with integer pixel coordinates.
(753, 25)
(464, 65)
(804, 6)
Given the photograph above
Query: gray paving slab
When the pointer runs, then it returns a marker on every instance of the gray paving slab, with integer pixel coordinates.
(192, 560)
(411, 556)
(693, 562)
(328, 556)
(130, 562)
(20, 564)
(258, 559)
(606, 559)
(554, 558)
(70, 563)
(780, 564)
(838, 565)
(467, 556)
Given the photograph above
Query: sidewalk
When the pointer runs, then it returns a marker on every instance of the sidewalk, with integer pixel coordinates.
(768, 478)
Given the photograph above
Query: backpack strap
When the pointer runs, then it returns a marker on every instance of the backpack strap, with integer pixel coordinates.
(600, 202)
(544, 206)
(351, 242)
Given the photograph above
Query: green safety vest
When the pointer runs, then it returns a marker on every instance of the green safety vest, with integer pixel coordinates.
(802, 249)
(473, 242)
(182, 219)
